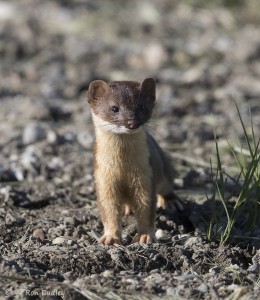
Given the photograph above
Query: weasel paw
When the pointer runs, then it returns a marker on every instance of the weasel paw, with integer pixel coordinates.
(144, 238)
(171, 205)
(109, 240)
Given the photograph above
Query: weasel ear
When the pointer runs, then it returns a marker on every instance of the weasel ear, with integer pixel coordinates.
(148, 88)
(96, 89)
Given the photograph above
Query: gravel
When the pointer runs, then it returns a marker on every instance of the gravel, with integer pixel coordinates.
(203, 58)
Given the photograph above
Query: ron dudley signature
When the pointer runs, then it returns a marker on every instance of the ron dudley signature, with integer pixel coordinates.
(26, 292)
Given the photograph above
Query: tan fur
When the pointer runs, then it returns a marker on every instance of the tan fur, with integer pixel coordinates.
(122, 176)
(129, 166)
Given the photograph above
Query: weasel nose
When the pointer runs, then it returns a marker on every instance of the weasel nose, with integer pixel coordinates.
(132, 124)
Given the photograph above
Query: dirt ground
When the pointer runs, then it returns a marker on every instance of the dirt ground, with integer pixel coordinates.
(203, 59)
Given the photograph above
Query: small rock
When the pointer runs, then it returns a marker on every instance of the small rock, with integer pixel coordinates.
(56, 231)
(33, 133)
(170, 75)
(56, 163)
(214, 270)
(7, 175)
(85, 139)
(69, 221)
(154, 56)
(203, 288)
(52, 137)
(186, 277)
(256, 257)
(220, 284)
(58, 113)
(58, 240)
(132, 281)
(192, 76)
(193, 241)
(5, 192)
(70, 242)
(67, 275)
(29, 159)
(7, 11)
(159, 234)
(18, 174)
(107, 273)
(69, 137)
(148, 12)
(9, 219)
(157, 278)
(172, 291)
(39, 233)
(255, 268)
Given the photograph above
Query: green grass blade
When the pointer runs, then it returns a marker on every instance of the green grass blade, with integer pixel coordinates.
(244, 129)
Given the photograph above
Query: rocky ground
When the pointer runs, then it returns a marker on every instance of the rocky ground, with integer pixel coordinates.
(203, 59)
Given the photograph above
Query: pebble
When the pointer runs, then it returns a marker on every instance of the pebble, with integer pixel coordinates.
(67, 275)
(132, 281)
(214, 270)
(159, 234)
(193, 241)
(9, 219)
(7, 174)
(154, 55)
(56, 163)
(18, 173)
(85, 139)
(70, 137)
(52, 137)
(203, 288)
(172, 291)
(157, 278)
(107, 273)
(5, 191)
(7, 11)
(192, 76)
(58, 240)
(33, 132)
(186, 277)
(39, 233)
(56, 231)
(256, 257)
(255, 268)
(148, 12)
(170, 75)
(219, 284)
(29, 158)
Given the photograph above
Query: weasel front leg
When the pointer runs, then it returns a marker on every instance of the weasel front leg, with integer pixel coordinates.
(145, 216)
(110, 212)
(111, 218)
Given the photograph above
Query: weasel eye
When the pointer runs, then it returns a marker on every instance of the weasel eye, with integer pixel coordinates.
(115, 109)
(141, 107)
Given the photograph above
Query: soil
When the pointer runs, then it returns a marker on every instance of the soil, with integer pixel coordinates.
(203, 59)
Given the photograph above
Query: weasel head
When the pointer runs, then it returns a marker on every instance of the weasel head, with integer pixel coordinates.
(121, 106)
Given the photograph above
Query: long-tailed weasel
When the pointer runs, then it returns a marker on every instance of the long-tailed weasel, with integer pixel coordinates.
(130, 168)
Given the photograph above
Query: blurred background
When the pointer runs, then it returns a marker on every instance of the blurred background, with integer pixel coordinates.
(203, 55)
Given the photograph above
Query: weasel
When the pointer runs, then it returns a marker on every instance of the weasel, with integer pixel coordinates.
(130, 169)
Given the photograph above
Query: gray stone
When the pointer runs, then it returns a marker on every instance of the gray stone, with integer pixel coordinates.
(203, 288)
(33, 132)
